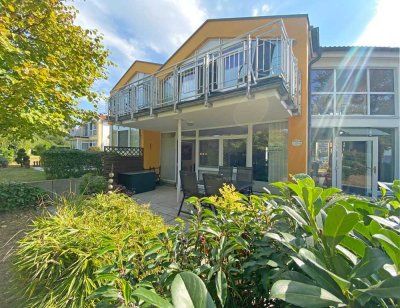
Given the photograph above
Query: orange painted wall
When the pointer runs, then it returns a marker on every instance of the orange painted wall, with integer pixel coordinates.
(150, 141)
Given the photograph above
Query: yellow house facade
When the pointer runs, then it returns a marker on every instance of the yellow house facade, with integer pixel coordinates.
(234, 94)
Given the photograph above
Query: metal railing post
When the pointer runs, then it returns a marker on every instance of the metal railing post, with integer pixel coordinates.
(256, 58)
(117, 107)
(248, 65)
(151, 94)
(175, 85)
(205, 78)
(131, 100)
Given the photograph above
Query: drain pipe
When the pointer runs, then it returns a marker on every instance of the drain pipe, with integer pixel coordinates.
(319, 54)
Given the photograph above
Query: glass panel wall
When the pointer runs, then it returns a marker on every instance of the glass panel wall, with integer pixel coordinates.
(134, 138)
(270, 152)
(322, 148)
(321, 156)
(386, 158)
(352, 92)
(215, 132)
(234, 152)
(123, 138)
(209, 153)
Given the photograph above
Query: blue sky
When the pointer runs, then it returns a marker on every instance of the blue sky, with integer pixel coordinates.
(152, 30)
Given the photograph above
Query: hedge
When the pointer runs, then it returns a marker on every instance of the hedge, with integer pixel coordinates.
(68, 163)
(19, 195)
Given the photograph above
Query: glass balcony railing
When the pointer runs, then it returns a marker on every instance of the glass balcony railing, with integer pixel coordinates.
(244, 62)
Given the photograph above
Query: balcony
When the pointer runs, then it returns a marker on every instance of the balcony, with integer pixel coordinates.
(246, 64)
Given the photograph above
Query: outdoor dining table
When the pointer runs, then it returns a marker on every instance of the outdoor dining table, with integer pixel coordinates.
(239, 185)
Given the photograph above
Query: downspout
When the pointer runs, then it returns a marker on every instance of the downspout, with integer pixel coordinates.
(319, 54)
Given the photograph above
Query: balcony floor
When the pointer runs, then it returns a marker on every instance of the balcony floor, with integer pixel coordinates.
(163, 202)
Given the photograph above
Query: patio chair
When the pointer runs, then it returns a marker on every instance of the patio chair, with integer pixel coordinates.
(226, 173)
(244, 178)
(212, 184)
(189, 188)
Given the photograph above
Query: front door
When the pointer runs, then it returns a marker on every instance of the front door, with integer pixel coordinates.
(356, 165)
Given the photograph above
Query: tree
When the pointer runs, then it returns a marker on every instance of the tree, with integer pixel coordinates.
(47, 65)
(22, 158)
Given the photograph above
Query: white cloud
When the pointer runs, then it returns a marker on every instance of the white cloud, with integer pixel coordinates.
(263, 9)
(136, 25)
(382, 30)
(148, 30)
(125, 46)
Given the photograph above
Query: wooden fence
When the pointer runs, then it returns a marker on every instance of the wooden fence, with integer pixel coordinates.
(122, 159)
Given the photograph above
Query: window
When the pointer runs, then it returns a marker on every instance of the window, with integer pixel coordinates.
(187, 81)
(382, 85)
(209, 153)
(381, 80)
(270, 152)
(123, 138)
(235, 152)
(351, 80)
(269, 58)
(168, 89)
(347, 92)
(213, 73)
(233, 65)
(321, 156)
(382, 104)
(134, 138)
(236, 130)
(351, 104)
(189, 133)
(322, 104)
(140, 97)
(91, 129)
(322, 80)
(88, 144)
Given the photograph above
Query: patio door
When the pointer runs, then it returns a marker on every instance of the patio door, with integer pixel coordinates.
(356, 165)
(168, 157)
(188, 156)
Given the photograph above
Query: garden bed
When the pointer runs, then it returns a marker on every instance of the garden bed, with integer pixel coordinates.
(12, 227)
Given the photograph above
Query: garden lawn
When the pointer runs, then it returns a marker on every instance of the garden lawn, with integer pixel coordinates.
(18, 174)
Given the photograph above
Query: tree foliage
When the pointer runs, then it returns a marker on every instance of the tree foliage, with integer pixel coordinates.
(47, 65)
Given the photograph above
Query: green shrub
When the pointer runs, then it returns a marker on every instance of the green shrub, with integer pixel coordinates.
(57, 259)
(344, 252)
(40, 148)
(22, 158)
(94, 149)
(67, 163)
(17, 196)
(92, 184)
(3, 162)
(228, 251)
(306, 246)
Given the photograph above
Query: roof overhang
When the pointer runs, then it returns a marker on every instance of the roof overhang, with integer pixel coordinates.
(263, 106)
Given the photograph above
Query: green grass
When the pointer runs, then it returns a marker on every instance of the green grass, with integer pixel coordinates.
(18, 174)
